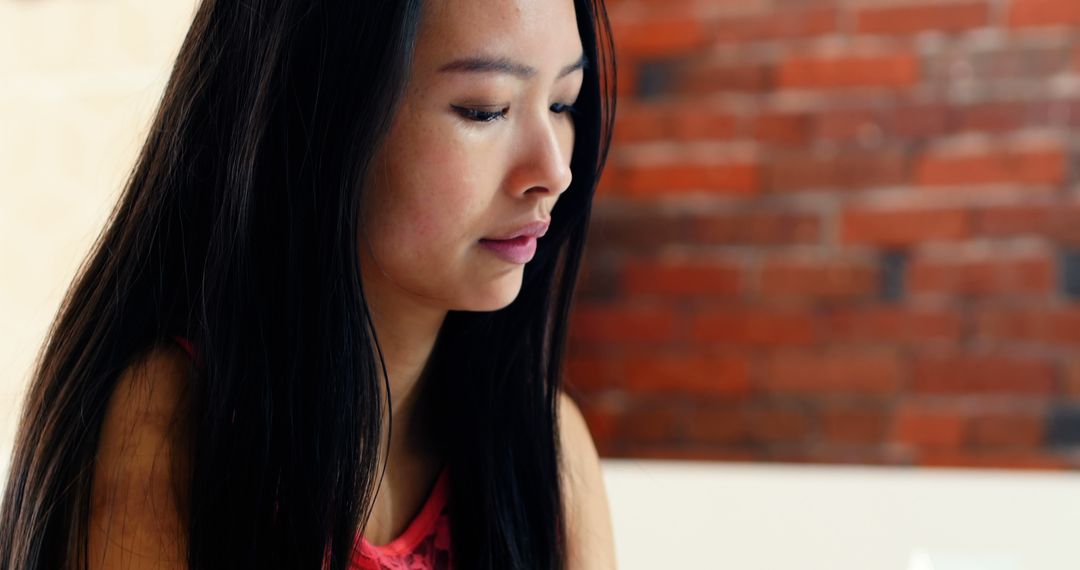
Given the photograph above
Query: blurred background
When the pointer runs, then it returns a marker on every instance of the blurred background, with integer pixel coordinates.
(836, 250)
(839, 232)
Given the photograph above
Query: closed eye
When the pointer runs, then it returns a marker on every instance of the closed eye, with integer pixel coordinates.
(479, 115)
(568, 109)
(482, 116)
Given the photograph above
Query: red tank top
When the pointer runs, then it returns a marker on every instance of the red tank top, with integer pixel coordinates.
(425, 544)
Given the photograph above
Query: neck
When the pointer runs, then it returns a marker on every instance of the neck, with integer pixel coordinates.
(407, 330)
(407, 340)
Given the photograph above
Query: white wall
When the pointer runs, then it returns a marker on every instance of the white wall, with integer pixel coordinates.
(79, 80)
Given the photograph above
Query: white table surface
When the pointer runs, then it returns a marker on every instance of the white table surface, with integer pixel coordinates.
(751, 516)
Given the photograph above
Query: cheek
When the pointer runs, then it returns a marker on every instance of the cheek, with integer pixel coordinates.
(430, 201)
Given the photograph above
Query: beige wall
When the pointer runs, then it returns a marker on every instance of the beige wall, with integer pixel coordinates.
(79, 80)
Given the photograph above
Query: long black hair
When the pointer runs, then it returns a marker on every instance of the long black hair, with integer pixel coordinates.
(237, 228)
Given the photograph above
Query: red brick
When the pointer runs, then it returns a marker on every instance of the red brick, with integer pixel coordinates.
(753, 327)
(595, 323)
(1055, 112)
(1070, 384)
(717, 424)
(602, 420)
(902, 227)
(853, 424)
(874, 372)
(709, 79)
(921, 17)
(655, 179)
(783, 128)
(920, 121)
(1063, 227)
(1015, 219)
(1054, 220)
(926, 427)
(651, 424)
(597, 280)
(1032, 274)
(1036, 167)
(967, 374)
(764, 228)
(694, 124)
(774, 424)
(753, 424)
(610, 181)
(850, 124)
(1025, 13)
(639, 123)
(994, 117)
(593, 373)
(843, 171)
(687, 278)
(1012, 429)
(832, 279)
(682, 123)
(627, 83)
(1026, 460)
(1047, 325)
(637, 230)
(887, 71)
(892, 325)
(788, 23)
(657, 37)
(695, 375)
(900, 121)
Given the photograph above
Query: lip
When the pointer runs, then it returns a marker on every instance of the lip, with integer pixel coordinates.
(517, 250)
(532, 229)
(517, 246)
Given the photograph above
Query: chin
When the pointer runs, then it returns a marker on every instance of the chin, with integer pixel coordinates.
(498, 295)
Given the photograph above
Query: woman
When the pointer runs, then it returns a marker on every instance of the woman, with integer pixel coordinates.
(309, 319)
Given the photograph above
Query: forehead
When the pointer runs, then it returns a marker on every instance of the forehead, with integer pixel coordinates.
(542, 33)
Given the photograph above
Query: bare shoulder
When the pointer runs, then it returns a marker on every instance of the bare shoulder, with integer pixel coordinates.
(138, 503)
(591, 539)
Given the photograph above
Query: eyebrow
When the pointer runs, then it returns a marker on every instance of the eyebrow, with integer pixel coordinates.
(503, 65)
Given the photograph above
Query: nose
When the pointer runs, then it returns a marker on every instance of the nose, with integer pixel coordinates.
(544, 161)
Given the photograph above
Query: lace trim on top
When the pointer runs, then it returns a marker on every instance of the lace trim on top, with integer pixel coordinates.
(425, 543)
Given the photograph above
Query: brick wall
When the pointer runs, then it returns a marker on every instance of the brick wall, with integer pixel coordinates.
(839, 232)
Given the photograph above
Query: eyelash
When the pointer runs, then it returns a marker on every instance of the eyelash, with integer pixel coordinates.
(478, 116)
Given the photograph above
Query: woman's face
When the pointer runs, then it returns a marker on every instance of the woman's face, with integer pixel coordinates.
(479, 148)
